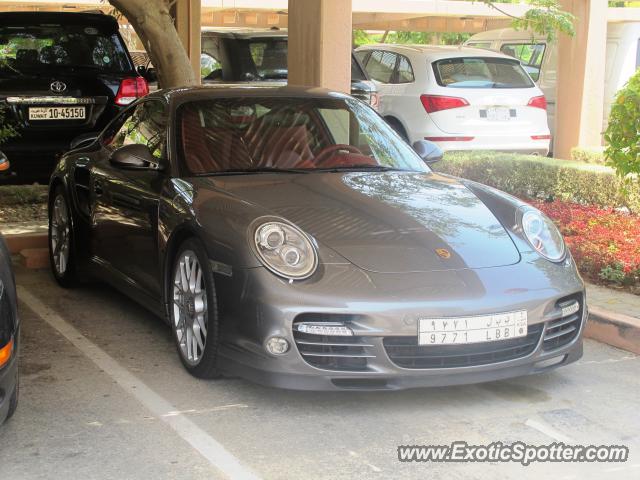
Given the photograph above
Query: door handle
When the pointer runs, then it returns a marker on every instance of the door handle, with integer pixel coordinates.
(97, 188)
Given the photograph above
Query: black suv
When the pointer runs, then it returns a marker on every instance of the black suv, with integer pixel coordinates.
(61, 75)
(255, 55)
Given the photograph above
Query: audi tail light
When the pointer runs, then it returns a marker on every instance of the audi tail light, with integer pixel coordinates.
(538, 102)
(437, 103)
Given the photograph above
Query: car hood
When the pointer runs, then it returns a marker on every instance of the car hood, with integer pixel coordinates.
(384, 222)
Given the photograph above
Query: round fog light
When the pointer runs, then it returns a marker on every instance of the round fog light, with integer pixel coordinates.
(277, 345)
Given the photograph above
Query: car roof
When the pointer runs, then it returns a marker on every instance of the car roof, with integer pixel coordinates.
(231, 90)
(106, 22)
(434, 52)
(237, 32)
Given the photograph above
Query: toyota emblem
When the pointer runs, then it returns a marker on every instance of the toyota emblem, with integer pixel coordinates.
(58, 86)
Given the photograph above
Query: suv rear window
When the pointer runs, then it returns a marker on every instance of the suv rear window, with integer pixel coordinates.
(269, 56)
(257, 58)
(29, 48)
(486, 72)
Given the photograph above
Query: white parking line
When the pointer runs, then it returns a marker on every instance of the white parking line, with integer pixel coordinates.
(370, 465)
(608, 360)
(218, 456)
(549, 431)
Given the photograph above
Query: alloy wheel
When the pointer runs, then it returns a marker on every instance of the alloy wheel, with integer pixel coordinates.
(60, 235)
(190, 307)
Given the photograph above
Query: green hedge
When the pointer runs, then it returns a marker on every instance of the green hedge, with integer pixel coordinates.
(543, 178)
(589, 155)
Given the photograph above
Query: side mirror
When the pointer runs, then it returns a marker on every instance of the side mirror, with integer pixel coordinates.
(83, 140)
(135, 157)
(429, 152)
(151, 75)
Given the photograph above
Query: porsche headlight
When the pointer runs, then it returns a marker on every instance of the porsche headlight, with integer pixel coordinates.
(543, 235)
(285, 250)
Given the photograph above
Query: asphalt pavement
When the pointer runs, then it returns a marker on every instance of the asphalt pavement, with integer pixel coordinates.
(103, 395)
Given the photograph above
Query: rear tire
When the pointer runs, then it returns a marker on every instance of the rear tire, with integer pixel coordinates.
(193, 310)
(61, 240)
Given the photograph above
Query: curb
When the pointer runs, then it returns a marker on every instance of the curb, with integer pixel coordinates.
(615, 329)
(35, 258)
(18, 242)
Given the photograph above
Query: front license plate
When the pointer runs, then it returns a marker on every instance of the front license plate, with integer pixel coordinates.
(57, 113)
(461, 330)
(498, 114)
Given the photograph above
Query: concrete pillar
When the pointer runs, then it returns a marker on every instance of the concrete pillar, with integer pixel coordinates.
(320, 43)
(187, 16)
(581, 61)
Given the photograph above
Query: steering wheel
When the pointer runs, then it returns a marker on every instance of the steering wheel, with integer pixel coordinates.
(326, 152)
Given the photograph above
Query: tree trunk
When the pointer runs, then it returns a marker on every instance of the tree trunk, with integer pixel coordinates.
(155, 27)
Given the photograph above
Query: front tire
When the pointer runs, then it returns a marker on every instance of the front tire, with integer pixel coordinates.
(61, 245)
(194, 311)
(13, 401)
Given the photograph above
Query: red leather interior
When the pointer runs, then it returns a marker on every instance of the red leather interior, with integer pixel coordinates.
(211, 149)
(265, 143)
(287, 147)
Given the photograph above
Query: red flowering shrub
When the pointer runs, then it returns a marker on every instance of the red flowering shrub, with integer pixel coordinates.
(604, 242)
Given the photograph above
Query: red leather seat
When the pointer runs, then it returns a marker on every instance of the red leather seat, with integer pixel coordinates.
(279, 146)
(211, 149)
(287, 147)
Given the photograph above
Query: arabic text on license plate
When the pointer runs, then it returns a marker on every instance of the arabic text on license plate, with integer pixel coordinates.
(57, 113)
(499, 114)
(461, 330)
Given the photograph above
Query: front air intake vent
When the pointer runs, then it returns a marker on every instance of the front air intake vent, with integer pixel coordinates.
(327, 342)
(563, 330)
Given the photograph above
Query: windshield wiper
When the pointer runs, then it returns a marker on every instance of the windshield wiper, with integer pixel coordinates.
(251, 171)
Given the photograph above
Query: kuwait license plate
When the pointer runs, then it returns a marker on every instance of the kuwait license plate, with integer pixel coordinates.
(57, 113)
(461, 330)
(498, 114)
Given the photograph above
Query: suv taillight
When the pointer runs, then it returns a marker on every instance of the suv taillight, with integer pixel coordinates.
(538, 102)
(131, 89)
(436, 103)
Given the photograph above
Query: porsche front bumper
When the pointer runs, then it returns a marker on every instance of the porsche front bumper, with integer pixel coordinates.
(383, 310)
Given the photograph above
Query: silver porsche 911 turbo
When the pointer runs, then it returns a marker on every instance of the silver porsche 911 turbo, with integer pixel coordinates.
(289, 236)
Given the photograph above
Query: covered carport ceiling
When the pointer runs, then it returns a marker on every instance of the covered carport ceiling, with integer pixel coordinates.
(401, 15)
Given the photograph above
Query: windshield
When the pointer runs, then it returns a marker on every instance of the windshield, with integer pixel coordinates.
(529, 54)
(474, 72)
(288, 134)
(33, 48)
